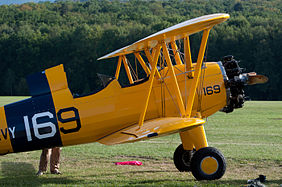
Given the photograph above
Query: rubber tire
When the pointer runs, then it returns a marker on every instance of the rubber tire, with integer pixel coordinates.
(197, 158)
(182, 159)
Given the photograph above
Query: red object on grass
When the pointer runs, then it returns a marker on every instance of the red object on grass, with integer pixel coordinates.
(136, 163)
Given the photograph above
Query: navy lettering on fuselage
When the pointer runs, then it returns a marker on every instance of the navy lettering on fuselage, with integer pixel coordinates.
(209, 90)
(32, 123)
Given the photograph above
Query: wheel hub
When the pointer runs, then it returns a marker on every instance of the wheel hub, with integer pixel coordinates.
(209, 165)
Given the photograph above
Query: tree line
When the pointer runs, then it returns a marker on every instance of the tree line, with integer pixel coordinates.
(36, 36)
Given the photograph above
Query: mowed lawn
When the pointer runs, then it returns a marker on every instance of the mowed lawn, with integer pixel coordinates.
(250, 138)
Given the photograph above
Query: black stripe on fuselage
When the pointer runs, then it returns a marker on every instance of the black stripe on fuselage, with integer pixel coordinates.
(32, 122)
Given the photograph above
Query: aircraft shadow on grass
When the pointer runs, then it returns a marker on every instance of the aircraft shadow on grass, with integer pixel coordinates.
(130, 172)
(172, 181)
(235, 182)
(23, 174)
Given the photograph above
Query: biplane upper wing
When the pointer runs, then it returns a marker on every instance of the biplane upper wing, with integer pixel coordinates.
(160, 41)
(151, 128)
(170, 34)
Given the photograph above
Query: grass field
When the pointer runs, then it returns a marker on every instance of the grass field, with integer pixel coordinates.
(250, 138)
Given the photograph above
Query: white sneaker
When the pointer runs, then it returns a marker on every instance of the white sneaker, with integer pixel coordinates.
(39, 173)
(57, 172)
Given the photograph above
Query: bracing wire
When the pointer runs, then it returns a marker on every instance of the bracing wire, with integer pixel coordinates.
(173, 100)
(132, 70)
(174, 53)
(183, 59)
(162, 91)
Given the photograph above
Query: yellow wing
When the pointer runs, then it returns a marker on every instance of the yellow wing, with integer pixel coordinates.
(170, 34)
(158, 41)
(151, 128)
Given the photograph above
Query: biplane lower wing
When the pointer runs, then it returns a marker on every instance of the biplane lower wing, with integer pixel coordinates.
(151, 128)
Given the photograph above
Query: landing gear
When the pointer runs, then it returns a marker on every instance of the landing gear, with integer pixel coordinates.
(182, 158)
(207, 163)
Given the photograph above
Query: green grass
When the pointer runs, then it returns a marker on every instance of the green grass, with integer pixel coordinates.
(250, 138)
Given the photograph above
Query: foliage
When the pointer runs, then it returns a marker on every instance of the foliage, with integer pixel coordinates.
(35, 36)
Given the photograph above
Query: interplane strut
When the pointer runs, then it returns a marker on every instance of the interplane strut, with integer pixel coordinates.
(184, 108)
(151, 80)
(198, 69)
(153, 60)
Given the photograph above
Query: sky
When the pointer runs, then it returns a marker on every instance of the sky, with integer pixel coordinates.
(8, 2)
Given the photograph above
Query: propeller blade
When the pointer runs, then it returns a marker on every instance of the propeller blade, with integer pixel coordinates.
(253, 78)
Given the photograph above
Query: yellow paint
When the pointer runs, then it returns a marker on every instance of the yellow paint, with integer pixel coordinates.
(118, 67)
(209, 165)
(174, 82)
(115, 108)
(62, 98)
(194, 138)
(138, 108)
(149, 89)
(158, 127)
(173, 33)
(150, 59)
(143, 64)
(128, 72)
(175, 52)
(198, 70)
(5, 144)
(187, 56)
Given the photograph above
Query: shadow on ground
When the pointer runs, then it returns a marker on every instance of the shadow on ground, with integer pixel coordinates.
(24, 174)
(169, 181)
(131, 172)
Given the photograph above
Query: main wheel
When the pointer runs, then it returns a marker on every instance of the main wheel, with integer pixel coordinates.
(182, 158)
(208, 163)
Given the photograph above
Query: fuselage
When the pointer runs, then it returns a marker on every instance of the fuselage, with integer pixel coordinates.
(53, 117)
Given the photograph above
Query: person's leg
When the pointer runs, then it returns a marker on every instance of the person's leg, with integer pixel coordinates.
(55, 160)
(45, 155)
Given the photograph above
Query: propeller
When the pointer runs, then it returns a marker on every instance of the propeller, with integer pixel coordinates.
(237, 81)
(253, 78)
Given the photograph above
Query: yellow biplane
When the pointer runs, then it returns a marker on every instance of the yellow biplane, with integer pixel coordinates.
(174, 97)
